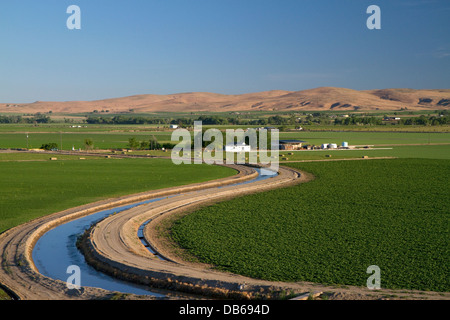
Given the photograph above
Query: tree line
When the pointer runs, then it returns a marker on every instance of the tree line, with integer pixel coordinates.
(39, 118)
(277, 120)
(187, 122)
(422, 120)
(151, 144)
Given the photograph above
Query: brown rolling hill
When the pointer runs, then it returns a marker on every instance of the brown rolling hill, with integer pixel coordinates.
(318, 99)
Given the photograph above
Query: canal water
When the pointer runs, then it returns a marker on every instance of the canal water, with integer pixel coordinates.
(56, 250)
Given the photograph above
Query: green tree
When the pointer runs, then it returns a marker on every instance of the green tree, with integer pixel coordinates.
(133, 143)
(49, 146)
(88, 144)
(144, 145)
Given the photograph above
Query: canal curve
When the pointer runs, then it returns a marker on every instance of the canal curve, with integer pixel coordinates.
(56, 250)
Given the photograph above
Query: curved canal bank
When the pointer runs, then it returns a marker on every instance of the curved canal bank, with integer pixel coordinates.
(20, 275)
(123, 255)
(61, 242)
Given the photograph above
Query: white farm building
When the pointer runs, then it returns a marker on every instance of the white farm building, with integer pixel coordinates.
(240, 147)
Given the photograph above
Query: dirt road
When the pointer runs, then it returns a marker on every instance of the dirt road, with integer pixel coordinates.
(18, 273)
(114, 247)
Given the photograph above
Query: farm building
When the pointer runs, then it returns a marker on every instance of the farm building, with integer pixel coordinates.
(240, 147)
(329, 146)
(266, 128)
(391, 119)
(291, 144)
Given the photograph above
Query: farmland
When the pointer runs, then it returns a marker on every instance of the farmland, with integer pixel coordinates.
(100, 140)
(416, 151)
(116, 136)
(389, 213)
(37, 187)
(354, 214)
(368, 138)
(111, 139)
(26, 157)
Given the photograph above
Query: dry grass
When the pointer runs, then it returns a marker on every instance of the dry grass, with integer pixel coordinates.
(325, 98)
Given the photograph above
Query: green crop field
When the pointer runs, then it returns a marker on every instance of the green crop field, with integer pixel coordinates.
(367, 138)
(25, 157)
(419, 151)
(101, 140)
(377, 128)
(120, 140)
(389, 213)
(75, 128)
(35, 188)
(116, 136)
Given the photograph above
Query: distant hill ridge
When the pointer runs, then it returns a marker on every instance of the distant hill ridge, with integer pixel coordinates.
(318, 99)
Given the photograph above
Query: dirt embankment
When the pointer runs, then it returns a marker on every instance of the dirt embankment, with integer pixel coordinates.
(122, 254)
(18, 273)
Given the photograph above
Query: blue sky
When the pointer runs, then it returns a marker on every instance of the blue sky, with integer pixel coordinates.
(223, 46)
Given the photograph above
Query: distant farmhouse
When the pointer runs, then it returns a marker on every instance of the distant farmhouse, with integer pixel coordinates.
(291, 144)
(391, 118)
(240, 147)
